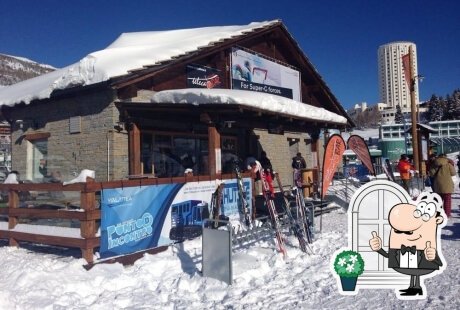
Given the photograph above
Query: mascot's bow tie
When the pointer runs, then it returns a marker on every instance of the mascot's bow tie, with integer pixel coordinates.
(405, 249)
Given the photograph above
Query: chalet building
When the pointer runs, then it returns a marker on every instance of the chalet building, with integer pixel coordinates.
(157, 103)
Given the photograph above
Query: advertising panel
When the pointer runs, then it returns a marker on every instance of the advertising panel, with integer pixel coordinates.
(333, 154)
(359, 146)
(139, 218)
(199, 76)
(254, 73)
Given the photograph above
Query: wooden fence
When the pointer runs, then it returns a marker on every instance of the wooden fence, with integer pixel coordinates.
(85, 209)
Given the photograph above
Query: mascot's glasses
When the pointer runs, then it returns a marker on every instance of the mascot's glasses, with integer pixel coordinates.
(425, 210)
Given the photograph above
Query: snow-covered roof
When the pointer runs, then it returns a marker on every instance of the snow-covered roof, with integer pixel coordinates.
(427, 127)
(263, 101)
(130, 51)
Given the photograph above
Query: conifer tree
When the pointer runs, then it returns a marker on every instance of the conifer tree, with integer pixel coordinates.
(450, 108)
(434, 109)
(456, 102)
(398, 115)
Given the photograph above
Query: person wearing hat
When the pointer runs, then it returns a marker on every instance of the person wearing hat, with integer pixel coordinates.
(298, 162)
(405, 168)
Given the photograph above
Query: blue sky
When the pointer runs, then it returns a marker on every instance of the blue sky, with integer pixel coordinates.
(341, 38)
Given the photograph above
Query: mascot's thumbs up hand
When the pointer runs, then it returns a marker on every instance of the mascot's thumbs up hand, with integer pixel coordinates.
(375, 242)
(430, 253)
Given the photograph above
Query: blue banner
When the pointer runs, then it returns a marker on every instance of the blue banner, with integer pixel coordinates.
(138, 218)
(132, 218)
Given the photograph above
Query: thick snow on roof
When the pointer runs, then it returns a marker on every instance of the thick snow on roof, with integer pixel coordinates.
(263, 101)
(129, 52)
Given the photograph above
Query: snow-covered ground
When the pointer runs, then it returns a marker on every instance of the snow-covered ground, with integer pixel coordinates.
(261, 278)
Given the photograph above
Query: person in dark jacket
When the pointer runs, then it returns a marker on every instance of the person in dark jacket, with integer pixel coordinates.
(429, 163)
(265, 161)
(267, 170)
(298, 162)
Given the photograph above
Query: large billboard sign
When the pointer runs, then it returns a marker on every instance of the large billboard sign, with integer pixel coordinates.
(254, 73)
(142, 217)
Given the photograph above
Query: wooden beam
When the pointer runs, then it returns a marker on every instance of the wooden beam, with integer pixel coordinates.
(36, 136)
(214, 150)
(134, 136)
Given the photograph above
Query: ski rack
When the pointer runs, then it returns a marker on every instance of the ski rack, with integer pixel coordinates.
(265, 229)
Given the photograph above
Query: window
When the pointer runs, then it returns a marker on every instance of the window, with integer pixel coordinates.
(37, 164)
(37, 159)
(170, 155)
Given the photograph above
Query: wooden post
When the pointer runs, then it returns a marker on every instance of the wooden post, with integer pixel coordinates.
(13, 197)
(214, 150)
(134, 150)
(413, 112)
(88, 227)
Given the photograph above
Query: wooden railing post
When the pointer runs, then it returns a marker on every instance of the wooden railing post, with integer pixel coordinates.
(88, 227)
(13, 203)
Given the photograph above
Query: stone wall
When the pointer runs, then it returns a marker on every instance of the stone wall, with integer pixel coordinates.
(278, 151)
(91, 148)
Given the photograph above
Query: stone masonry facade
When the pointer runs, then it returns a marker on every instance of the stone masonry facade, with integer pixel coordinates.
(98, 146)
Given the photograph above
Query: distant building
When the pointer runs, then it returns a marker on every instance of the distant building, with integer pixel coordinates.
(444, 138)
(387, 113)
(357, 110)
(393, 87)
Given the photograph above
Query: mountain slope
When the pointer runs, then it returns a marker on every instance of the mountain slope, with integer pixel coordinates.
(16, 69)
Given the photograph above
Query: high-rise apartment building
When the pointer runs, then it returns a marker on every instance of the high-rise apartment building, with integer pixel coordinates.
(393, 88)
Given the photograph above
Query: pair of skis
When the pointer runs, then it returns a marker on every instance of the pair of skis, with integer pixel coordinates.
(272, 210)
(299, 230)
(243, 197)
(301, 207)
(216, 199)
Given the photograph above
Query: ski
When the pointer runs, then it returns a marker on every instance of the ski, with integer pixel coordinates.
(294, 223)
(216, 199)
(301, 207)
(272, 209)
(243, 197)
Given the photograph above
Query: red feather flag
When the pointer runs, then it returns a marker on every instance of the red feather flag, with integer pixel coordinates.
(359, 146)
(332, 156)
(406, 67)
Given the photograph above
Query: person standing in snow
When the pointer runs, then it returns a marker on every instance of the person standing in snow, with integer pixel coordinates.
(250, 160)
(266, 163)
(267, 171)
(251, 165)
(429, 163)
(298, 162)
(442, 170)
(405, 168)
